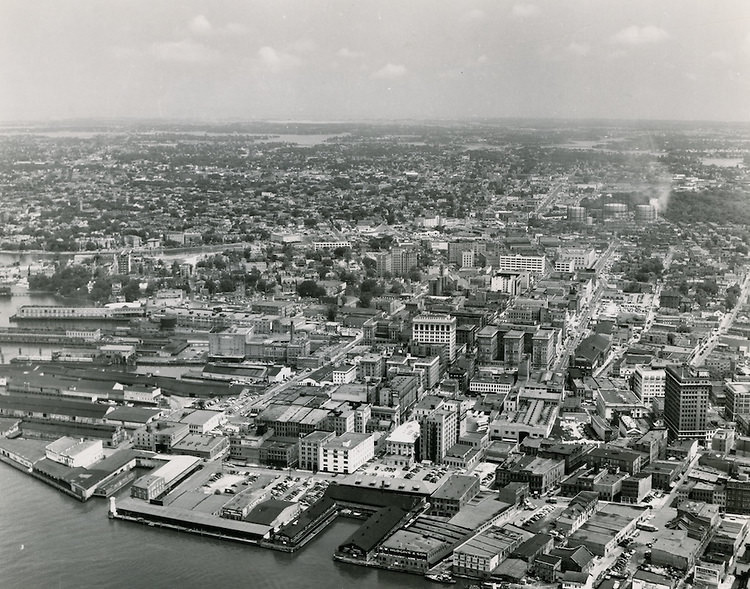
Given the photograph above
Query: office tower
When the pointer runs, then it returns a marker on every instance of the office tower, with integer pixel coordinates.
(686, 391)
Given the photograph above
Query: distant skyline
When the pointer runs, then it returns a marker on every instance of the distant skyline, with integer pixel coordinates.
(386, 59)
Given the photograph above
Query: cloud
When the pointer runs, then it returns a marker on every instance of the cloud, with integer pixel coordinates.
(347, 53)
(199, 25)
(580, 49)
(525, 10)
(473, 15)
(185, 51)
(746, 44)
(276, 61)
(303, 46)
(635, 35)
(390, 71)
(235, 28)
(720, 56)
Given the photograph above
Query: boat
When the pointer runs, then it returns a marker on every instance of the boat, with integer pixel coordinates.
(443, 577)
(5, 290)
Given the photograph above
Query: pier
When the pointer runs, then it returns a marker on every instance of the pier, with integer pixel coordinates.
(22, 336)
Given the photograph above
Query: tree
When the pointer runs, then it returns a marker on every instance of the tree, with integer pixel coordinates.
(365, 300)
(310, 289)
(414, 274)
(732, 296)
(101, 290)
(132, 290)
(371, 286)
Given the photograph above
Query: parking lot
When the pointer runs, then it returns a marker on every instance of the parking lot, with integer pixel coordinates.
(420, 472)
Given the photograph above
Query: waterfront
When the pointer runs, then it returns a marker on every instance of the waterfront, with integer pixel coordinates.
(50, 540)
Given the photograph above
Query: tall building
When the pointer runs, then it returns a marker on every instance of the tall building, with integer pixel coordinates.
(686, 393)
(383, 262)
(439, 431)
(513, 347)
(543, 349)
(429, 328)
(467, 259)
(124, 262)
(649, 382)
(404, 258)
(488, 344)
(737, 399)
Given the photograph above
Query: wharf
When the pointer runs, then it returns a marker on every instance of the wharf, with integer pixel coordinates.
(157, 361)
(24, 337)
(184, 520)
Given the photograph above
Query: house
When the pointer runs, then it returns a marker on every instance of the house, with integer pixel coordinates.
(574, 580)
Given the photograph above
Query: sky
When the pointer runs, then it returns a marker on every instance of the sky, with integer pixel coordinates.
(374, 59)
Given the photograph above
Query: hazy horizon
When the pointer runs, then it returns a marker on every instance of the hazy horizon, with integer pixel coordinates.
(346, 61)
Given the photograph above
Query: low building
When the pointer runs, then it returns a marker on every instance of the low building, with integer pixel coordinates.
(279, 451)
(202, 446)
(547, 567)
(601, 533)
(576, 559)
(533, 418)
(362, 543)
(650, 580)
(542, 474)
(613, 457)
(345, 373)
(453, 494)
(580, 508)
(514, 493)
(421, 545)
(171, 471)
(202, 421)
(574, 580)
(635, 488)
(480, 555)
(273, 513)
(664, 473)
(75, 452)
(675, 549)
(729, 536)
(160, 436)
(296, 531)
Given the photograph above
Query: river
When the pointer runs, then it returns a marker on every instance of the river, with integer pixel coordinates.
(48, 539)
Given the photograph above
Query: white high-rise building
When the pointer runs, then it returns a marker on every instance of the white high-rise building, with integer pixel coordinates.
(429, 328)
(517, 263)
(648, 382)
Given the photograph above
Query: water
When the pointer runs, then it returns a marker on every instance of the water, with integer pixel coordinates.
(8, 306)
(48, 539)
(51, 540)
